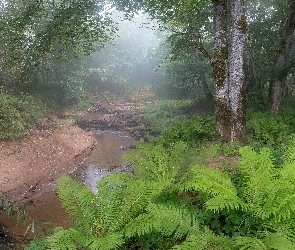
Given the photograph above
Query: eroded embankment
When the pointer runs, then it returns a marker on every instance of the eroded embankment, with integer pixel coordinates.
(30, 166)
(28, 171)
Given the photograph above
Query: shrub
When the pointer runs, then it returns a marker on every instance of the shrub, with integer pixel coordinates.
(157, 116)
(17, 114)
(266, 130)
(31, 109)
(11, 125)
(194, 130)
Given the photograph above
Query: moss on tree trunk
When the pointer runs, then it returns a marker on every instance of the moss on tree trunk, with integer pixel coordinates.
(228, 70)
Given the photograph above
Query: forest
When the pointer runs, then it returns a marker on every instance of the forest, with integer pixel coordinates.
(212, 83)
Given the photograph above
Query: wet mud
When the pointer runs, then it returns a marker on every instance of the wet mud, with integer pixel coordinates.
(110, 127)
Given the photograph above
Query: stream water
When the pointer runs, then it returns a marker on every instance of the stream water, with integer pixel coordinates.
(105, 159)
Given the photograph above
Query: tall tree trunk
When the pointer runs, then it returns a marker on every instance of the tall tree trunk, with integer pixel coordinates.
(220, 70)
(252, 74)
(283, 62)
(202, 78)
(276, 88)
(236, 71)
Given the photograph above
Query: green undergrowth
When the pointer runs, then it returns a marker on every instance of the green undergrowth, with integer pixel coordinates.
(157, 115)
(169, 119)
(190, 191)
(173, 202)
(271, 131)
(18, 114)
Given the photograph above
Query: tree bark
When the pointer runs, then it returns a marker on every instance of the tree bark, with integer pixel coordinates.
(276, 87)
(236, 71)
(284, 62)
(202, 78)
(252, 74)
(220, 70)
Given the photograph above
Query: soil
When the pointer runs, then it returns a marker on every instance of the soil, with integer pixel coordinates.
(28, 170)
(30, 166)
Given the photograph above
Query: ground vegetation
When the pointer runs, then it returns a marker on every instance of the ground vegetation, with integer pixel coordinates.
(212, 171)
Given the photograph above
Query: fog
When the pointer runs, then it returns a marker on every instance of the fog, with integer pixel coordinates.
(133, 58)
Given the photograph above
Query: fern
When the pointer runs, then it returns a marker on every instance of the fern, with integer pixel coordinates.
(221, 192)
(155, 162)
(111, 241)
(77, 201)
(173, 220)
(61, 240)
(100, 219)
(271, 241)
(142, 225)
(169, 221)
(250, 243)
(289, 156)
(265, 192)
(205, 240)
(278, 241)
(256, 211)
(269, 190)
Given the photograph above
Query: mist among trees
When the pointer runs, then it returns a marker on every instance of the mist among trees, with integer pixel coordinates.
(232, 61)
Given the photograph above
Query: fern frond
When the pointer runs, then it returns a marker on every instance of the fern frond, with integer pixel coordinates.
(109, 242)
(278, 241)
(265, 162)
(252, 163)
(250, 243)
(204, 241)
(121, 202)
(269, 190)
(62, 240)
(75, 239)
(173, 220)
(155, 162)
(284, 228)
(77, 200)
(258, 175)
(221, 192)
(289, 155)
(287, 173)
(270, 241)
(247, 163)
(113, 181)
(168, 220)
(286, 208)
(141, 225)
(209, 180)
(227, 202)
(136, 197)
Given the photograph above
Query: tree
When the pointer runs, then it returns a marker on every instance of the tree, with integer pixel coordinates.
(269, 56)
(284, 60)
(236, 71)
(227, 60)
(56, 31)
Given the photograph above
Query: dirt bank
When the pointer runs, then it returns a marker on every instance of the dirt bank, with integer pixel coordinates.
(30, 166)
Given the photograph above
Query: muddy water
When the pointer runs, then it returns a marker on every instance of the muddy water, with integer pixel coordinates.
(105, 159)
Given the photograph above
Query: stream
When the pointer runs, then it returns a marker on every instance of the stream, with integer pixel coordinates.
(105, 159)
